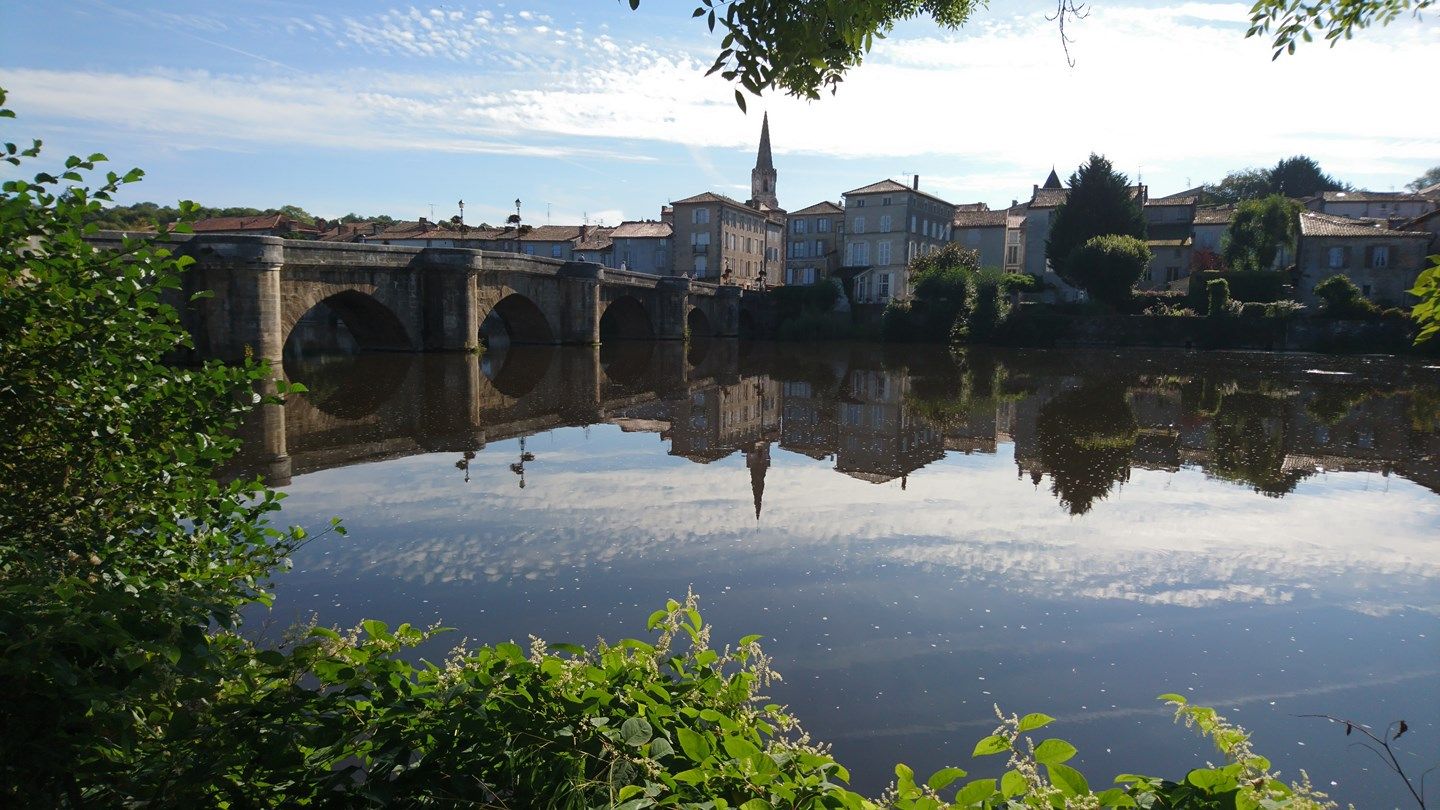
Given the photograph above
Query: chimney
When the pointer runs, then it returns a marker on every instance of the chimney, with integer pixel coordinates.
(584, 229)
(424, 223)
(917, 182)
(667, 214)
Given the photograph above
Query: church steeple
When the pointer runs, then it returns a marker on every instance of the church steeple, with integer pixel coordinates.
(762, 177)
(758, 460)
(1053, 181)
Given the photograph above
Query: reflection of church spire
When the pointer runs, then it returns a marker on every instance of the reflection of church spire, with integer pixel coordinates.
(758, 460)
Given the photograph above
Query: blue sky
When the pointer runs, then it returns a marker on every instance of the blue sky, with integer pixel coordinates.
(591, 110)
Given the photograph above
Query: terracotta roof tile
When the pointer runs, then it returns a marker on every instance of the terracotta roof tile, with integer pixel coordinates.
(1316, 224)
(646, 229)
(257, 223)
(1373, 196)
(823, 207)
(981, 219)
(1214, 216)
(551, 233)
(892, 186)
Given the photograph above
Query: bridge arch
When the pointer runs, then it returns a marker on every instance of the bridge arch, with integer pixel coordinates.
(516, 318)
(625, 318)
(698, 324)
(372, 324)
(515, 371)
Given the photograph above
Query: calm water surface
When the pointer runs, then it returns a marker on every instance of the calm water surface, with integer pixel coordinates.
(919, 536)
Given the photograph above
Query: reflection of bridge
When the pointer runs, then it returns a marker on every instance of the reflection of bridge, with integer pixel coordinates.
(388, 406)
(432, 299)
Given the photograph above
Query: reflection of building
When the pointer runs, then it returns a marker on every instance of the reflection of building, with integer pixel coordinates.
(879, 438)
(714, 422)
(807, 420)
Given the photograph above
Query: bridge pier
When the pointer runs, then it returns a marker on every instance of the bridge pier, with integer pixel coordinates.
(451, 314)
(580, 303)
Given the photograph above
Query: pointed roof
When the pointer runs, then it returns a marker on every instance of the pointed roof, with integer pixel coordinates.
(1053, 181)
(758, 460)
(762, 158)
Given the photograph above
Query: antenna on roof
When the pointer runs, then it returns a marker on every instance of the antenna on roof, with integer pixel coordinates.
(547, 213)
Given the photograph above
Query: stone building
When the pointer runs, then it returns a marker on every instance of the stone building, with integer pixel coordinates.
(886, 225)
(1399, 205)
(979, 229)
(720, 239)
(1170, 234)
(1382, 262)
(1209, 232)
(643, 246)
(815, 241)
(1039, 217)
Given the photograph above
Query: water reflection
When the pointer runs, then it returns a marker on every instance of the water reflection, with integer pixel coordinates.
(920, 533)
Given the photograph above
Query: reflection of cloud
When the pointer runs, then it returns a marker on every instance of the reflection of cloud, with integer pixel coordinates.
(1169, 539)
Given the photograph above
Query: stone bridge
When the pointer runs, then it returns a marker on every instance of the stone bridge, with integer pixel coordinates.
(411, 299)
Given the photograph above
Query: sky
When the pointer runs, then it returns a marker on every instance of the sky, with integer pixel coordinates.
(588, 110)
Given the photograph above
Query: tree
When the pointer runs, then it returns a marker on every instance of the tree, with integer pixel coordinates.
(1300, 176)
(1291, 21)
(1343, 299)
(1243, 184)
(1108, 266)
(1258, 232)
(1429, 178)
(1100, 203)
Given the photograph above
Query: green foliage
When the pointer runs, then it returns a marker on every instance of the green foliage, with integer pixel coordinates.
(1290, 22)
(1430, 177)
(1301, 176)
(1283, 309)
(1342, 299)
(1108, 266)
(1237, 186)
(1100, 203)
(1217, 297)
(118, 549)
(793, 300)
(1427, 312)
(1258, 232)
(805, 46)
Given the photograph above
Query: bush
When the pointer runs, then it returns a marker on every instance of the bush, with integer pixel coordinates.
(793, 300)
(1253, 309)
(1141, 301)
(1340, 298)
(1107, 267)
(1283, 309)
(1217, 297)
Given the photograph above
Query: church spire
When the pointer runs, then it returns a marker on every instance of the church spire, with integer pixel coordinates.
(762, 177)
(758, 460)
(1053, 181)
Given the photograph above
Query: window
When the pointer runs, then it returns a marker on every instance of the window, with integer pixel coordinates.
(749, 245)
(860, 203)
(822, 225)
(819, 248)
(1380, 256)
(859, 289)
(529, 250)
(859, 225)
(1012, 254)
(700, 216)
(700, 239)
(885, 282)
(1012, 237)
(702, 265)
(1172, 274)
(885, 224)
(859, 254)
(554, 251)
(910, 254)
(660, 263)
(912, 223)
(797, 226)
(1337, 257)
(882, 253)
(884, 200)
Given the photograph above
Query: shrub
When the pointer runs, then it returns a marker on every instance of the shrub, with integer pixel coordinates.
(1217, 297)
(1342, 299)
(899, 324)
(1283, 309)
(1264, 287)
(1141, 301)
(1252, 309)
(1108, 266)
(1170, 311)
(793, 300)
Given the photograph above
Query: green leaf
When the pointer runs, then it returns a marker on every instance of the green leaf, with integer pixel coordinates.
(740, 100)
(1115, 797)
(942, 778)
(695, 745)
(1069, 780)
(1211, 780)
(993, 744)
(636, 731)
(1035, 720)
(1012, 784)
(1053, 752)
(661, 747)
(975, 792)
(1171, 697)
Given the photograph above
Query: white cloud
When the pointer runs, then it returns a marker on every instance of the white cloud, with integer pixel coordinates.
(1176, 92)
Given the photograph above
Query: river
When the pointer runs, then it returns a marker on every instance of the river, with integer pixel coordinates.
(918, 535)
